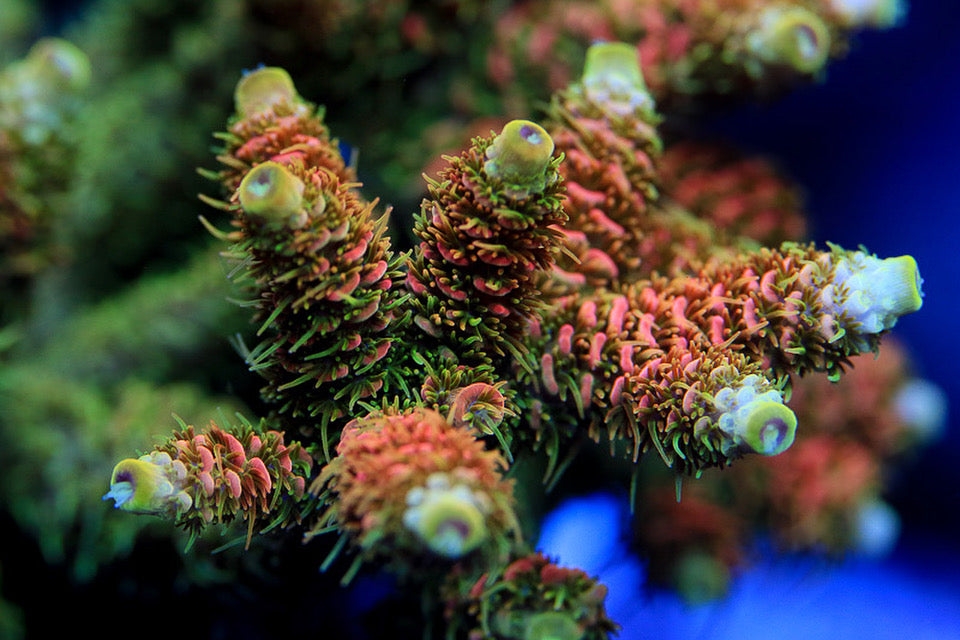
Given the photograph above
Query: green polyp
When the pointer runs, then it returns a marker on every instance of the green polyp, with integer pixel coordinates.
(798, 38)
(520, 156)
(770, 428)
(262, 88)
(270, 192)
(552, 625)
(904, 285)
(613, 63)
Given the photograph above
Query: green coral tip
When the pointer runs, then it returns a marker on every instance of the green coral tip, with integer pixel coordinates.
(613, 62)
(796, 37)
(261, 89)
(449, 519)
(552, 625)
(138, 486)
(520, 155)
(770, 428)
(64, 59)
(270, 192)
(905, 287)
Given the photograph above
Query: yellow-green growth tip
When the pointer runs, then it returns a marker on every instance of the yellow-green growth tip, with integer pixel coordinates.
(552, 625)
(520, 156)
(769, 429)
(261, 89)
(795, 37)
(753, 418)
(873, 293)
(449, 519)
(612, 77)
(144, 485)
(64, 59)
(270, 192)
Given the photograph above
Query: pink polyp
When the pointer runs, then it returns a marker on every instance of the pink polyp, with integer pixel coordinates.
(348, 287)
(453, 256)
(498, 309)
(598, 260)
(691, 367)
(233, 483)
(569, 278)
(426, 326)
(586, 388)
(353, 341)
(376, 272)
(626, 358)
(255, 444)
(414, 285)
(766, 286)
(206, 458)
(618, 310)
(367, 311)
(616, 391)
(587, 315)
(688, 399)
(377, 354)
(484, 286)
(451, 292)
(716, 330)
(565, 339)
(717, 294)
(644, 330)
(596, 349)
(260, 470)
(206, 481)
(605, 223)
(547, 374)
(583, 197)
(649, 299)
(356, 253)
(750, 313)
(679, 310)
(235, 448)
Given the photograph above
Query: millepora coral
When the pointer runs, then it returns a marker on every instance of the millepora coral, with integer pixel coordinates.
(215, 476)
(412, 489)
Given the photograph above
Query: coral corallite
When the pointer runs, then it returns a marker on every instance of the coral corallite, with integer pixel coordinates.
(413, 486)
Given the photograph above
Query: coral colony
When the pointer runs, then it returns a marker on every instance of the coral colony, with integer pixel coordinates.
(577, 276)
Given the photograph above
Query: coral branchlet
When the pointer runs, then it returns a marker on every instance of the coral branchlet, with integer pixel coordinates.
(490, 225)
(312, 251)
(214, 476)
(412, 486)
(532, 599)
(695, 366)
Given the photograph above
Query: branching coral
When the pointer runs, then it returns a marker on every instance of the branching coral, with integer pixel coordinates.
(558, 290)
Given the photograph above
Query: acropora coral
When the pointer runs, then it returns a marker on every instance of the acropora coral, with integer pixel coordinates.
(577, 273)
